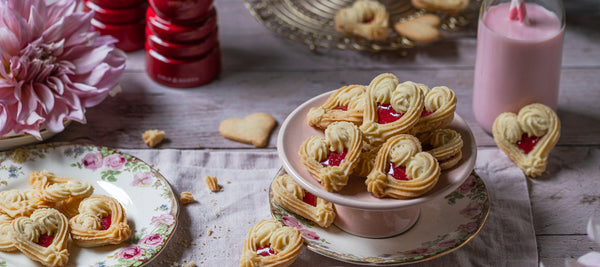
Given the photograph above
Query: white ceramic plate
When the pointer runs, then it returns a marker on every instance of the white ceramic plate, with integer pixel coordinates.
(145, 194)
(445, 224)
(294, 131)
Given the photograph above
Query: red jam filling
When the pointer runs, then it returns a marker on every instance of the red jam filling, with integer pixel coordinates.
(344, 108)
(398, 172)
(310, 199)
(334, 158)
(527, 143)
(387, 114)
(368, 20)
(45, 240)
(106, 221)
(425, 113)
(265, 251)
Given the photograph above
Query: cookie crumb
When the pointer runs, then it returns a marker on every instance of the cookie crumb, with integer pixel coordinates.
(212, 183)
(190, 264)
(153, 137)
(227, 181)
(209, 232)
(186, 198)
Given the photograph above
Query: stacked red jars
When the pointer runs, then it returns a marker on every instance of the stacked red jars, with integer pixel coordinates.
(182, 45)
(123, 19)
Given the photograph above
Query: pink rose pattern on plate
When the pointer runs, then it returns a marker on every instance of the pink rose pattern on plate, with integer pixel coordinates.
(473, 190)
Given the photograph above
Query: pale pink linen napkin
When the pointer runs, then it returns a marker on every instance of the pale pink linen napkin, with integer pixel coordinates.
(507, 239)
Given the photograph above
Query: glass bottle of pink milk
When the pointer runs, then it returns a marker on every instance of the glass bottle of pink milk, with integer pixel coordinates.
(519, 57)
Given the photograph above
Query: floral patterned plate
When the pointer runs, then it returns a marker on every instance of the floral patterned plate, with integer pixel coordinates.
(444, 225)
(145, 194)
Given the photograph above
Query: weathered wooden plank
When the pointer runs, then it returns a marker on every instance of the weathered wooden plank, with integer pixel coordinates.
(192, 116)
(555, 249)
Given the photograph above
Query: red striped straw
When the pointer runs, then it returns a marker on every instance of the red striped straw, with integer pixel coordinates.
(517, 10)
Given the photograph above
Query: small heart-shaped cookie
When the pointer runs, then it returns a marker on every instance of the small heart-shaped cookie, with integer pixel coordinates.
(365, 18)
(422, 28)
(439, 105)
(253, 129)
(528, 138)
(445, 6)
(270, 243)
(6, 244)
(101, 221)
(445, 145)
(391, 108)
(345, 104)
(401, 170)
(332, 159)
(16, 203)
(42, 236)
(294, 198)
(54, 188)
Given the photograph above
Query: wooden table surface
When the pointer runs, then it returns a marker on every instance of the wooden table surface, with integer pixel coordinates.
(266, 73)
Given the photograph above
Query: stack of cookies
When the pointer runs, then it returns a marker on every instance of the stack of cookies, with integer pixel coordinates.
(122, 19)
(182, 45)
(391, 134)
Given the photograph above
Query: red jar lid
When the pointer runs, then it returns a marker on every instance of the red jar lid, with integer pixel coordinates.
(116, 16)
(118, 3)
(181, 11)
(183, 73)
(131, 36)
(174, 32)
(181, 50)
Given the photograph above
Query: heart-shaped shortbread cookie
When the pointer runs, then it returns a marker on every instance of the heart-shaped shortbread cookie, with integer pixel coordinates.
(294, 198)
(254, 129)
(332, 159)
(528, 138)
(42, 236)
(391, 108)
(443, 144)
(401, 170)
(445, 6)
(16, 203)
(101, 221)
(365, 18)
(270, 243)
(422, 28)
(439, 105)
(345, 104)
(6, 243)
(54, 188)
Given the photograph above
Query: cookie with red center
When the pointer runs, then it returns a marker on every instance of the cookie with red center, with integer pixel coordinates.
(445, 145)
(289, 195)
(439, 105)
(101, 221)
(270, 243)
(402, 170)
(391, 108)
(42, 236)
(365, 18)
(345, 104)
(331, 159)
(528, 137)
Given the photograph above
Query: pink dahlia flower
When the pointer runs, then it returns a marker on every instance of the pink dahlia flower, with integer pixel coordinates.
(53, 65)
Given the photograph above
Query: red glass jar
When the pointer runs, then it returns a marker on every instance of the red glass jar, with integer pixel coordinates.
(188, 32)
(183, 73)
(130, 15)
(131, 36)
(181, 11)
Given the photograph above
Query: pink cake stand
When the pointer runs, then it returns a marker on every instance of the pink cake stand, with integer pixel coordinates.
(358, 212)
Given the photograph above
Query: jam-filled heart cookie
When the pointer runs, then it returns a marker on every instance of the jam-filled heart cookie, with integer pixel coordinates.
(528, 138)
(69, 207)
(294, 198)
(332, 159)
(391, 108)
(6, 244)
(366, 160)
(16, 203)
(439, 105)
(42, 236)
(365, 18)
(270, 243)
(54, 188)
(401, 170)
(101, 221)
(345, 104)
(443, 144)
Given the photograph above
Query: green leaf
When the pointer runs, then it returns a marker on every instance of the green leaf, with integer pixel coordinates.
(112, 178)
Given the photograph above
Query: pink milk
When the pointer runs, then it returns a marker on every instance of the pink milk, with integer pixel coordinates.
(517, 64)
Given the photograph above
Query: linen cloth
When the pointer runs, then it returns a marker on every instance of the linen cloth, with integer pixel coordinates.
(507, 238)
